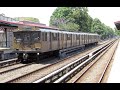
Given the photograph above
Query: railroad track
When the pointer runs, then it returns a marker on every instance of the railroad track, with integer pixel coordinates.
(26, 75)
(95, 72)
(65, 73)
(12, 68)
(6, 63)
(36, 73)
(9, 62)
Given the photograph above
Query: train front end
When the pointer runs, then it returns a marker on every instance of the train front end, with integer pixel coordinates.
(27, 45)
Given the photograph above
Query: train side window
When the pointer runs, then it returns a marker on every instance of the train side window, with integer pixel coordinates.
(17, 36)
(54, 36)
(36, 36)
(78, 37)
(83, 37)
(61, 36)
(42, 36)
(68, 36)
(45, 36)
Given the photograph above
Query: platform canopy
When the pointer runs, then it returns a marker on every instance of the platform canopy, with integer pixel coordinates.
(117, 24)
(6, 22)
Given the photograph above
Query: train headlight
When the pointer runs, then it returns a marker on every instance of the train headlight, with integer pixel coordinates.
(16, 54)
(38, 53)
(25, 56)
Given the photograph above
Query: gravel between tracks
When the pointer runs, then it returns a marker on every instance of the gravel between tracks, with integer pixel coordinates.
(41, 73)
(20, 72)
(11, 67)
(95, 72)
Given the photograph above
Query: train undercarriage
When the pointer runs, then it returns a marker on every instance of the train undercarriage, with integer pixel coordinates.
(33, 56)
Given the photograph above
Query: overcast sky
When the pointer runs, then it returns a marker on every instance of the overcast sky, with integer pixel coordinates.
(107, 15)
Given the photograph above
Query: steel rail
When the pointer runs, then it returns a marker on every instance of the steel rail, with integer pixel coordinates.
(9, 62)
(52, 77)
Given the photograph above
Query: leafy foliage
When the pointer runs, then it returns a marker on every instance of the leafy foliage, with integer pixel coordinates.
(70, 16)
(78, 19)
(27, 19)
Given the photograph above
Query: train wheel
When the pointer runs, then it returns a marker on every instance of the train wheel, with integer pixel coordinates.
(20, 57)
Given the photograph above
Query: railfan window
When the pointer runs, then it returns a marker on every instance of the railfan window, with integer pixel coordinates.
(27, 38)
(36, 36)
(18, 37)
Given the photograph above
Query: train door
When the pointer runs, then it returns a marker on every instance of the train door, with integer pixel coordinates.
(50, 38)
(54, 41)
(59, 40)
(62, 41)
(88, 39)
(83, 39)
(74, 39)
(45, 41)
(71, 40)
(79, 39)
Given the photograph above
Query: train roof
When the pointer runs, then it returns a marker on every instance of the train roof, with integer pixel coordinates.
(58, 31)
(117, 24)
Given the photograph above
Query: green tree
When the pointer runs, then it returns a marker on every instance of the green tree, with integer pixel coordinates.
(117, 32)
(64, 17)
(32, 19)
(78, 19)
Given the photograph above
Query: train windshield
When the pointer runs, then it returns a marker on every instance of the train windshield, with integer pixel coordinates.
(27, 37)
(18, 37)
(35, 36)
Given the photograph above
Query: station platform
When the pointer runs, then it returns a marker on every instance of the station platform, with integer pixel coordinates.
(6, 53)
(114, 75)
(1, 48)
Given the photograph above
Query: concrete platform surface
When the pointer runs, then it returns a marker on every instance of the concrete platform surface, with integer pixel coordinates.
(114, 76)
(1, 48)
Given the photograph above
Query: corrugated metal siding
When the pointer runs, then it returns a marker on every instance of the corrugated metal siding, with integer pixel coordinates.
(9, 39)
(2, 40)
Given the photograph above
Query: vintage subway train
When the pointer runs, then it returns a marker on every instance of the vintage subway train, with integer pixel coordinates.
(30, 45)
